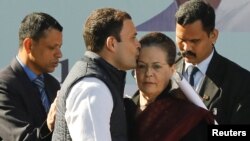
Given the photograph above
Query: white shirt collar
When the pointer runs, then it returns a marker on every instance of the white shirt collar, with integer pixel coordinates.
(202, 66)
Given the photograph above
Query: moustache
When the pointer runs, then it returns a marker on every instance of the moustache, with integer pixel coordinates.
(188, 53)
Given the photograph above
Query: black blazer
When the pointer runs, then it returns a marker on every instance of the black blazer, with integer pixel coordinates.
(22, 116)
(225, 90)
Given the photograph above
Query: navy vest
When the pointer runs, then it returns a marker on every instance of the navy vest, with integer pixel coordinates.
(93, 65)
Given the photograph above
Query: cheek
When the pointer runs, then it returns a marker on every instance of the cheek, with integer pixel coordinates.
(123, 52)
(180, 46)
(130, 50)
(202, 49)
(46, 57)
(164, 78)
(139, 77)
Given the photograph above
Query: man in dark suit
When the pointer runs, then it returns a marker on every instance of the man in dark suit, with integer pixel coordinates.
(24, 105)
(223, 85)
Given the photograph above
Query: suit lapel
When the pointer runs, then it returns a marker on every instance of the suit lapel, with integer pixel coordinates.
(180, 65)
(209, 90)
(28, 91)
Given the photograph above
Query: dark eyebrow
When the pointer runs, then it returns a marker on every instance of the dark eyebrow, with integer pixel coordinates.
(180, 38)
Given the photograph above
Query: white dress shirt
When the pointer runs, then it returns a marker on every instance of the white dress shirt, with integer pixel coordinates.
(199, 75)
(88, 111)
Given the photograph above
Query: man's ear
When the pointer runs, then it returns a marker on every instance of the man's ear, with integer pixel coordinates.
(27, 43)
(111, 43)
(214, 35)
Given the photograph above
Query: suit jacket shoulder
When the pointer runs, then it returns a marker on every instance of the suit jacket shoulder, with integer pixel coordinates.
(21, 107)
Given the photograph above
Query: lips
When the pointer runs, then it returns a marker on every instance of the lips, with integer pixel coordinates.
(188, 56)
(55, 64)
(148, 83)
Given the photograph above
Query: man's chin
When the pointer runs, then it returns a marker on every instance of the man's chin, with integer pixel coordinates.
(50, 70)
(189, 59)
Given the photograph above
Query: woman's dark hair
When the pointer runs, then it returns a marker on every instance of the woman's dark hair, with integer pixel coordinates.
(162, 41)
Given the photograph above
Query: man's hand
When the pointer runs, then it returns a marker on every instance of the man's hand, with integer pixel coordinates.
(52, 115)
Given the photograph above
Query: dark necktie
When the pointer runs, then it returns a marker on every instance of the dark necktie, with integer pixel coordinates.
(40, 85)
(194, 70)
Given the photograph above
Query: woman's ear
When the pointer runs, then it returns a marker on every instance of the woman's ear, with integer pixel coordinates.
(172, 69)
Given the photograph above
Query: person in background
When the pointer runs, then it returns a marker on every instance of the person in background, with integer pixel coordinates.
(159, 111)
(221, 83)
(25, 104)
(90, 104)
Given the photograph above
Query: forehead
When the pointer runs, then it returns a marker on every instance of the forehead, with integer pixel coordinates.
(51, 36)
(152, 54)
(128, 28)
(190, 31)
